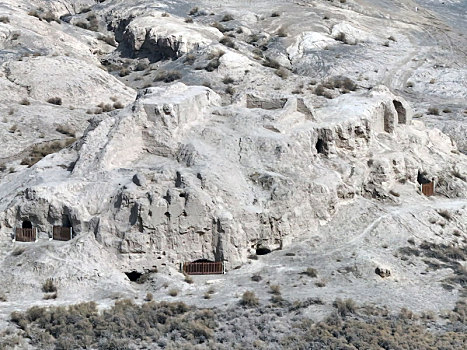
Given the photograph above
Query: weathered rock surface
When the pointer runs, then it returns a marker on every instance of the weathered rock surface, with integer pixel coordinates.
(196, 145)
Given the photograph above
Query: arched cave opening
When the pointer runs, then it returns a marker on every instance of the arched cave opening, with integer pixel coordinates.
(27, 224)
(401, 112)
(262, 251)
(133, 276)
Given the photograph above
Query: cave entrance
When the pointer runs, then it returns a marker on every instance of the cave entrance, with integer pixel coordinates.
(66, 222)
(27, 224)
(262, 251)
(401, 112)
(133, 276)
(422, 178)
(203, 267)
(321, 146)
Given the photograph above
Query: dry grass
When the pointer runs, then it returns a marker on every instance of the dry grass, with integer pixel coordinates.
(310, 272)
(168, 76)
(41, 150)
(249, 299)
(278, 326)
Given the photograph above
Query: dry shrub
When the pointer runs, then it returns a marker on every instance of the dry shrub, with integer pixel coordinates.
(48, 286)
(227, 18)
(41, 150)
(219, 27)
(345, 307)
(249, 299)
(168, 76)
(271, 63)
(282, 32)
(256, 277)
(4, 19)
(282, 72)
(82, 326)
(433, 111)
(65, 130)
(227, 41)
(310, 272)
(55, 101)
(275, 289)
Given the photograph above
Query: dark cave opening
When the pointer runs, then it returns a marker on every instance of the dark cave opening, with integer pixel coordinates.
(262, 251)
(27, 224)
(133, 276)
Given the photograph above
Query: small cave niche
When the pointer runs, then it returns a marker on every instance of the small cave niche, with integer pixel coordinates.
(133, 276)
(401, 112)
(321, 146)
(66, 222)
(422, 178)
(26, 224)
(262, 251)
(202, 261)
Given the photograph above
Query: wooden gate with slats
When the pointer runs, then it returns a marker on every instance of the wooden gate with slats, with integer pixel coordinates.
(428, 189)
(203, 268)
(62, 233)
(25, 234)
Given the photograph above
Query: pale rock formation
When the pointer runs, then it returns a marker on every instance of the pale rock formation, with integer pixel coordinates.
(165, 37)
(72, 80)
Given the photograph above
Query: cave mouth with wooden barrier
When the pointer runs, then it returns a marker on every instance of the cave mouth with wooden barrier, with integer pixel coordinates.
(26, 233)
(62, 233)
(203, 267)
(427, 186)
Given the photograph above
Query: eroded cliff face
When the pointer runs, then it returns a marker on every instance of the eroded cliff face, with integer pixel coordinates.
(177, 177)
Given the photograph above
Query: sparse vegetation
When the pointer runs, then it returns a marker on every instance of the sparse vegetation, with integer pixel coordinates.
(230, 90)
(310, 272)
(65, 130)
(282, 32)
(345, 307)
(433, 111)
(249, 299)
(227, 41)
(41, 150)
(55, 101)
(193, 11)
(227, 80)
(168, 76)
(219, 27)
(4, 19)
(275, 14)
(177, 326)
(25, 102)
(227, 18)
(173, 292)
(256, 277)
(49, 286)
(275, 289)
(282, 72)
